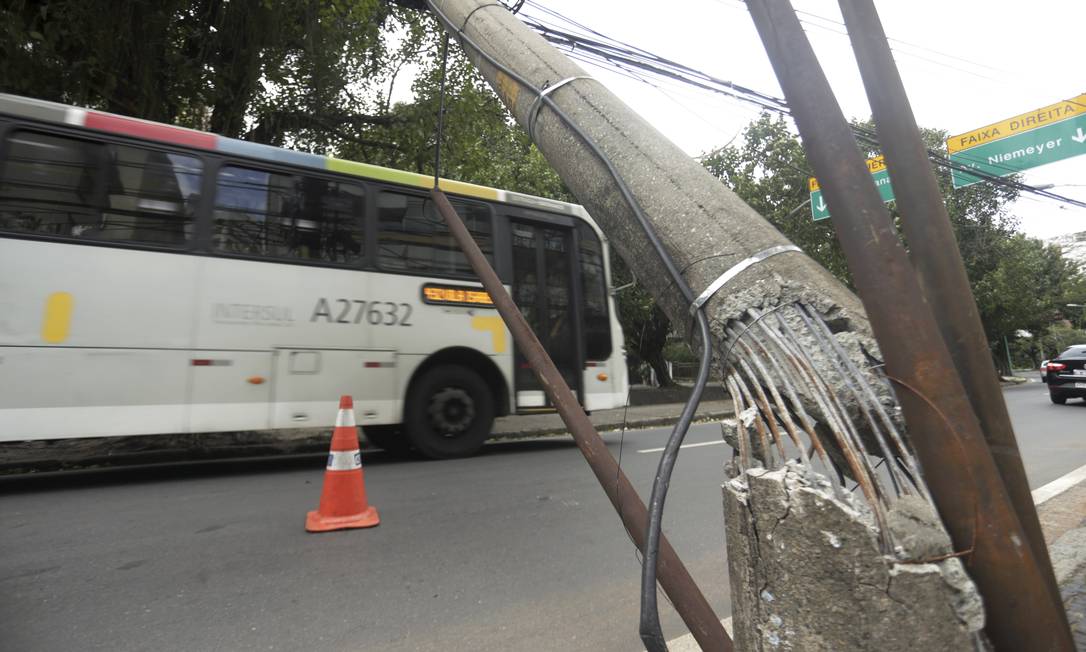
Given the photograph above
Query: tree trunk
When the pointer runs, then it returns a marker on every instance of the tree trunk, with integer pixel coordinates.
(659, 365)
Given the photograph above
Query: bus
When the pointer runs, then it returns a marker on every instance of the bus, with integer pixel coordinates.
(156, 279)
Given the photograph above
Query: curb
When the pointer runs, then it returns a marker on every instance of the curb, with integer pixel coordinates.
(1061, 509)
(607, 426)
(34, 458)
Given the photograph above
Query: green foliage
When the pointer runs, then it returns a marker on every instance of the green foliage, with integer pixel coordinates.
(769, 171)
(1023, 290)
(1018, 282)
(312, 75)
(480, 143)
(230, 67)
(679, 351)
(644, 324)
(1029, 352)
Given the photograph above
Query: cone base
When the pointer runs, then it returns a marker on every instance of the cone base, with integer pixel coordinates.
(315, 522)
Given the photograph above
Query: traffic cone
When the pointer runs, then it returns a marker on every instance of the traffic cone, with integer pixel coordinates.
(343, 500)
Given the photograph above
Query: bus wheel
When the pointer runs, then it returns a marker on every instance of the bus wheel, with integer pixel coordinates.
(390, 438)
(449, 413)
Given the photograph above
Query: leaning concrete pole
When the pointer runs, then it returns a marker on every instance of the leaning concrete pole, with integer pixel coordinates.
(806, 338)
(705, 227)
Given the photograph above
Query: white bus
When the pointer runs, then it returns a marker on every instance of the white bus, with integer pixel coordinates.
(155, 279)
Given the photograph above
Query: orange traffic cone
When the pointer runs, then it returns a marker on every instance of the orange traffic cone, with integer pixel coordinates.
(343, 500)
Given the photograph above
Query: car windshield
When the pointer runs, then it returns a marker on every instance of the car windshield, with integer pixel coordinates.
(1076, 352)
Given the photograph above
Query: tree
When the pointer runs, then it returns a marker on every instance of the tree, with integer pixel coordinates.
(312, 75)
(210, 64)
(769, 171)
(645, 326)
(1018, 282)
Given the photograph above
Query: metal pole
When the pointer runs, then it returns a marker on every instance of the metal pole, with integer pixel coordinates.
(957, 464)
(676, 581)
(937, 259)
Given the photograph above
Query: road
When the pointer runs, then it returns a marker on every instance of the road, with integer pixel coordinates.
(515, 550)
(1052, 438)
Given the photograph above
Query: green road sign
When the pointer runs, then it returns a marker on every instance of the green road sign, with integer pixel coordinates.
(1053, 142)
(877, 166)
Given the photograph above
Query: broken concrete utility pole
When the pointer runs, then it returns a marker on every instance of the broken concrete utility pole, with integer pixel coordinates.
(749, 276)
(706, 228)
(718, 241)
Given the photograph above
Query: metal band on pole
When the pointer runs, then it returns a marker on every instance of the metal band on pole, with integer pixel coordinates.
(735, 270)
(537, 103)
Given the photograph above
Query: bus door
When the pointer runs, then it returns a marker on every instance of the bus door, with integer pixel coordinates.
(544, 288)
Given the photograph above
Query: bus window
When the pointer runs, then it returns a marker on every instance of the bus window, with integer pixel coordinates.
(48, 185)
(152, 196)
(597, 328)
(288, 216)
(413, 237)
(53, 185)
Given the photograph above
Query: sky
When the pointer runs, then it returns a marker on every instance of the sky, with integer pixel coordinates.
(965, 64)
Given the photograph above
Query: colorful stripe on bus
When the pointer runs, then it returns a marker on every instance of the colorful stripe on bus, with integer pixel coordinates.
(145, 129)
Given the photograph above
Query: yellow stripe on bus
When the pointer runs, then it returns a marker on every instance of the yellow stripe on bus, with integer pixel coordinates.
(58, 317)
(497, 330)
(409, 178)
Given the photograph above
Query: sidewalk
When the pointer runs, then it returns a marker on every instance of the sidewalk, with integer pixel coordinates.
(1063, 520)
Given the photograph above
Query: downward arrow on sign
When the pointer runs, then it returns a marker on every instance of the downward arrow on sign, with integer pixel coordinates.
(821, 205)
(1079, 136)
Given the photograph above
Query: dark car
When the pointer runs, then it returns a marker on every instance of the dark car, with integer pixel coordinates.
(1066, 375)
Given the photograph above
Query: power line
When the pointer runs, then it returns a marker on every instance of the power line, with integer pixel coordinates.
(922, 48)
(595, 48)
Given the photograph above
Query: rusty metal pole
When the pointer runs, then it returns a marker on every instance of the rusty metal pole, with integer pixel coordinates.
(676, 581)
(938, 262)
(957, 465)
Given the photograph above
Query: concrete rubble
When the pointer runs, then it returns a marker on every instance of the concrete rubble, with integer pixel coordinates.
(807, 572)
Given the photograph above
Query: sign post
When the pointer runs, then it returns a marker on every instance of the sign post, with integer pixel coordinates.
(876, 166)
(1048, 134)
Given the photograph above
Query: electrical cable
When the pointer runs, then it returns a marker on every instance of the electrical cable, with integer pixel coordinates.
(610, 52)
(650, 631)
(441, 112)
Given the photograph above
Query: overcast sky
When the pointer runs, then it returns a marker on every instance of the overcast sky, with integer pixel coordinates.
(965, 64)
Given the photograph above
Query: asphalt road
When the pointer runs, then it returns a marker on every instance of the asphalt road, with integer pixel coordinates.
(1052, 438)
(515, 550)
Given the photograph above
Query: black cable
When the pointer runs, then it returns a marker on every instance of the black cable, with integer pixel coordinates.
(441, 112)
(650, 631)
(616, 54)
(651, 634)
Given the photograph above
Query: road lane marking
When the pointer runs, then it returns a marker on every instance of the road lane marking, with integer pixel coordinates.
(1059, 485)
(704, 443)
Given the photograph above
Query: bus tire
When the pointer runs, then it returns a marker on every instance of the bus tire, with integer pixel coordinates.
(449, 412)
(389, 438)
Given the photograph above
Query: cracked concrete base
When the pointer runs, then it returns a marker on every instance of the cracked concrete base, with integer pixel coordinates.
(807, 574)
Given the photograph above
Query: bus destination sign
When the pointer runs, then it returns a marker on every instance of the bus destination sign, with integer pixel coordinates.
(455, 295)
